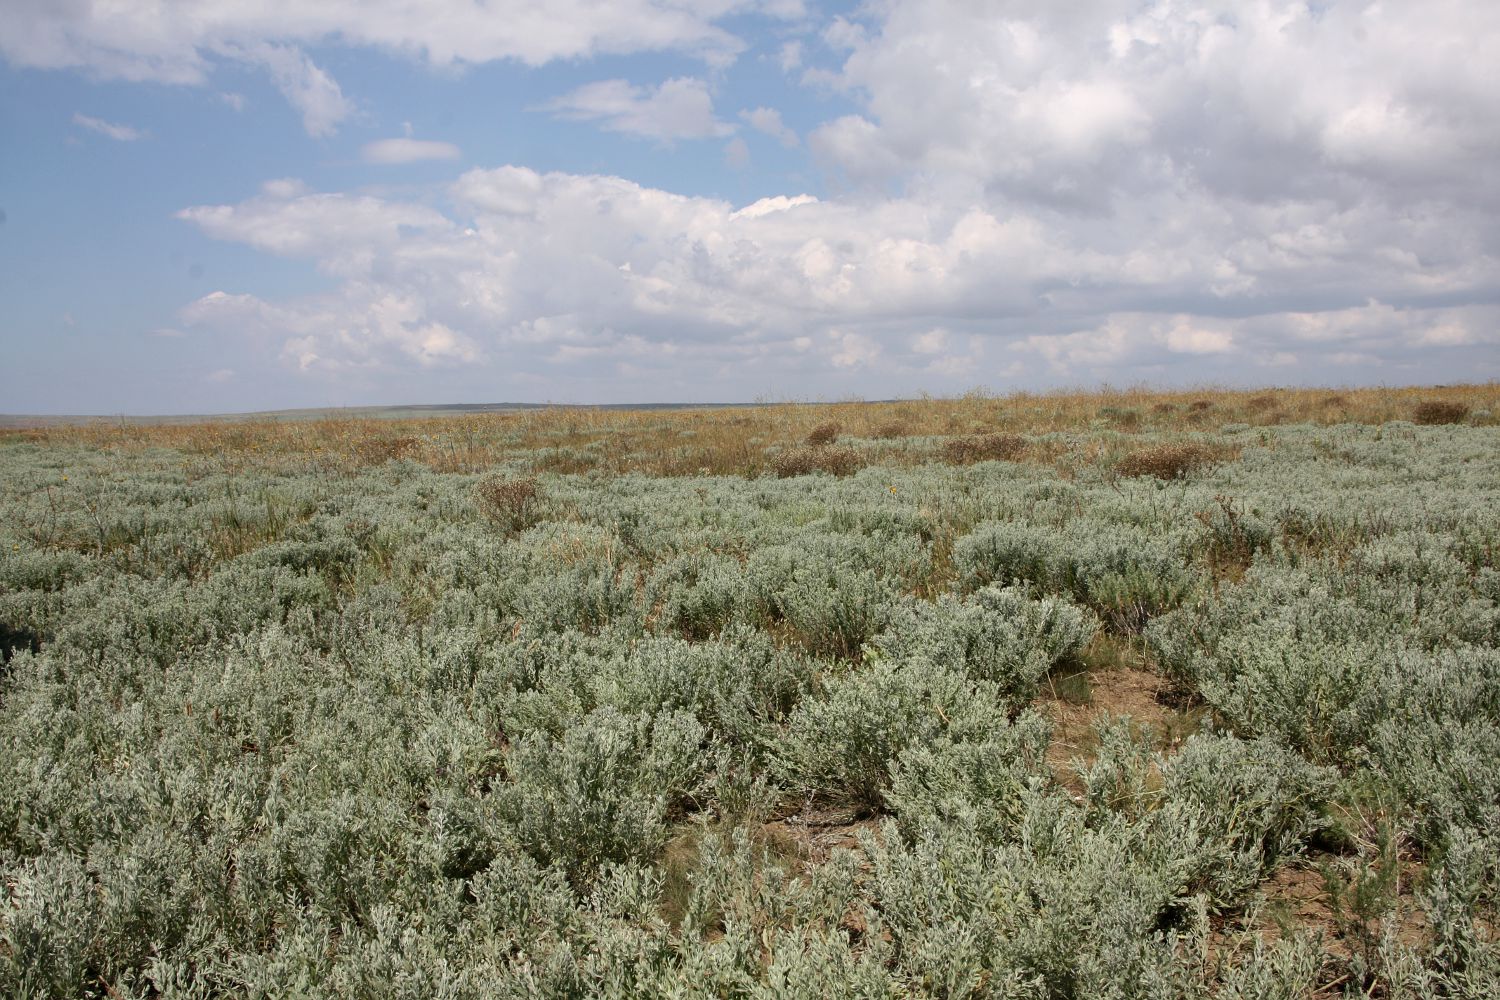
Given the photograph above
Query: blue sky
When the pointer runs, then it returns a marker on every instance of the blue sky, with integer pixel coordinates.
(223, 205)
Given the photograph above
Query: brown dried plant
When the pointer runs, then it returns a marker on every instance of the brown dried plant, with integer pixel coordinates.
(983, 447)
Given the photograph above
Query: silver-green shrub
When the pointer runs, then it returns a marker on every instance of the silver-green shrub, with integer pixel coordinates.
(275, 729)
(998, 634)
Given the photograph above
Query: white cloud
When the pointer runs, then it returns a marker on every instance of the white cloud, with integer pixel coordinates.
(852, 350)
(1188, 335)
(768, 120)
(736, 154)
(120, 133)
(181, 43)
(1182, 191)
(680, 108)
(345, 234)
(779, 203)
(305, 86)
(1087, 104)
(934, 341)
(361, 329)
(175, 43)
(408, 150)
(789, 56)
(578, 276)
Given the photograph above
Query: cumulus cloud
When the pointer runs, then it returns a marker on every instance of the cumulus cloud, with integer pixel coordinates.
(1086, 104)
(181, 43)
(680, 108)
(305, 85)
(359, 329)
(119, 133)
(345, 234)
(176, 43)
(789, 56)
(407, 150)
(1184, 191)
(571, 276)
(768, 120)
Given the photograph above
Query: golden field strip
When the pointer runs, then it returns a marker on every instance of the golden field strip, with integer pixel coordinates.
(744, 440)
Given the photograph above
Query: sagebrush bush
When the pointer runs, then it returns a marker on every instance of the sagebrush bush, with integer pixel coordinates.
(604, 791)
(840, 745)
(288, 721)
(699, 594)
(1129, 588)
(980, 782)
(833, 595)
(1007, 552)
(1000, 635)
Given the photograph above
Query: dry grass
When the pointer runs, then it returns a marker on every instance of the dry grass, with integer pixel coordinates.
(510, 503)
(379, 450)
(1167, 461)
(720, 441)
(983, 447)
(822, 434)
(1440, 411)
(807, 460)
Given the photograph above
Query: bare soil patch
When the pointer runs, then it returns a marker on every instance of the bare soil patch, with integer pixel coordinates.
(817, 831)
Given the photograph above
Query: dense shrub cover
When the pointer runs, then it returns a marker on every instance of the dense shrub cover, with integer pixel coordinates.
(388, 729)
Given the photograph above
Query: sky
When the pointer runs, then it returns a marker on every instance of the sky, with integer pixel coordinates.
(231, 205)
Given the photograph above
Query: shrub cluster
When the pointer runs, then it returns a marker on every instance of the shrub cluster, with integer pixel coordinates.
(271, 732)
(1116, 571)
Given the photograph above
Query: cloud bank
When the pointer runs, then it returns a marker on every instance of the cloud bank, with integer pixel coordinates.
(564, 277)
(180, 43)
(1021, 193)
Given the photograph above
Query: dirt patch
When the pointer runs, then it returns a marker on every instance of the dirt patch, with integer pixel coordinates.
(817, 831)
(1299, 899)
(1076, 702)
(1130, 691)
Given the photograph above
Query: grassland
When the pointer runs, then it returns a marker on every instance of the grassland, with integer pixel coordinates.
(1111, 694)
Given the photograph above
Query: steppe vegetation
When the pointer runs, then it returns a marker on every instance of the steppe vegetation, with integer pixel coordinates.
(1093, 695)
